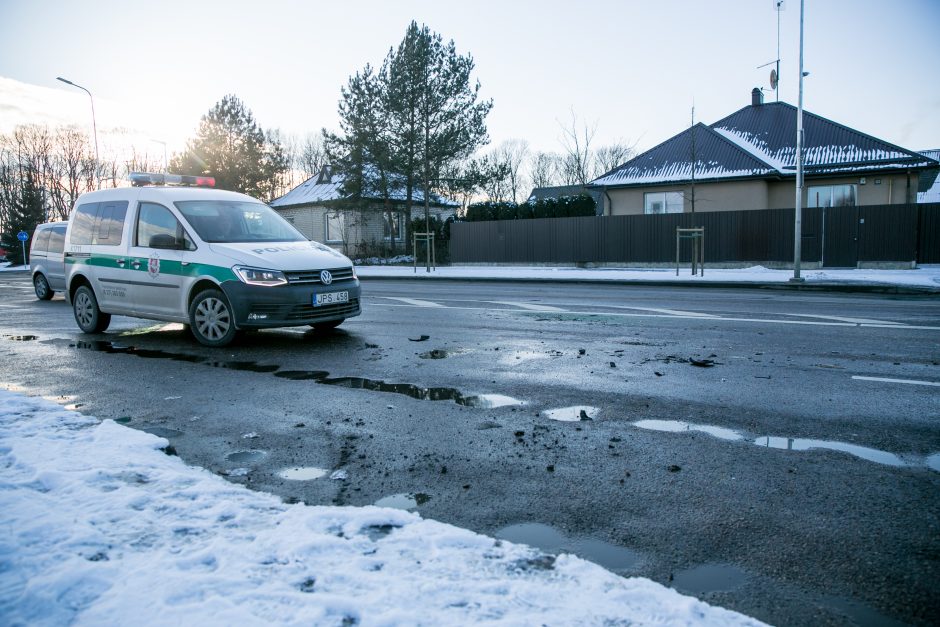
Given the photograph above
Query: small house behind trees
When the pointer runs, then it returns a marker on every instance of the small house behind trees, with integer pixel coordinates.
(368, 225)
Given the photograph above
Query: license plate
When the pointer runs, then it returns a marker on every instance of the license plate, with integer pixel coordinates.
(330, 298)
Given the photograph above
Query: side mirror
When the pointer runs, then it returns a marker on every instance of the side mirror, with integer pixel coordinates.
(165, 241)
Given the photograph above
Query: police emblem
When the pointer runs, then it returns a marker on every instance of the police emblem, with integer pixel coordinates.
(153, 266)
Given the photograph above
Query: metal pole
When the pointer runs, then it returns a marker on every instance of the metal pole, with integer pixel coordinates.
(798, 217)
(94, 124)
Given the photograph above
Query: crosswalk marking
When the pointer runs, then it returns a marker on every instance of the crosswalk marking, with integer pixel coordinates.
(414, 301)
(844, 319)
(907, 381)
(669, 312)
(529, 306)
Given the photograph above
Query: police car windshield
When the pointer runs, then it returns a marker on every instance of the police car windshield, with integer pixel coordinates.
(224, 221)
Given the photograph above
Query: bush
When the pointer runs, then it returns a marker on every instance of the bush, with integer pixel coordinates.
(564, 207)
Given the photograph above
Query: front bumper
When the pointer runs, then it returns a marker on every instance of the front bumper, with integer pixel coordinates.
(260, 307)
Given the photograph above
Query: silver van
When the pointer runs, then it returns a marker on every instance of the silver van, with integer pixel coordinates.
(46, 259)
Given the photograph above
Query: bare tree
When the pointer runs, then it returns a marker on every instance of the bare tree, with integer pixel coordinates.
(544, 168)
(608, 157)
(577, 166)
(311, 156)
(511, 155)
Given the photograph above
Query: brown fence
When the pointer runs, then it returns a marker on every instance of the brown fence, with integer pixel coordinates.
(837, 236)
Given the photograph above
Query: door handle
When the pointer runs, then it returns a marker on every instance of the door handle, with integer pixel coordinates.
(136, 264)
(120, 262)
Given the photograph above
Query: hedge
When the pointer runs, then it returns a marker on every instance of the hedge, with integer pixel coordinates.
(564, 207)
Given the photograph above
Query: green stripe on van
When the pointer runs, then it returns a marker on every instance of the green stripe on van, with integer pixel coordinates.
(167, 266)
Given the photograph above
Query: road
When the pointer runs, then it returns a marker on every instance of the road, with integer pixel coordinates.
(771, 452)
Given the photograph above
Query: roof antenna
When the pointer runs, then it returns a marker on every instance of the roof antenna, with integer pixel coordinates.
(779, 6)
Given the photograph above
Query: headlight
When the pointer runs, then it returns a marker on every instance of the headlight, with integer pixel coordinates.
(260, 276)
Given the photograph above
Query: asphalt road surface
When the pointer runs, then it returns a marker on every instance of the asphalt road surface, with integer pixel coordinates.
(771, 452)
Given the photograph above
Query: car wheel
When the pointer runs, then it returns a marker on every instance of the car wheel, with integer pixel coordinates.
(327, 326)
(41, 285)
(89, 317)
(210, 319)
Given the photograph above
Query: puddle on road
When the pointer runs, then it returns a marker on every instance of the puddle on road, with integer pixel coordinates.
(482, 401)
(406, 501)
(676, 426)
(302, 473)
(933, 462)
(709, 578)
(572, 414)
(21, 338)
(799, 444)
(789, 444)
(246, 457)
(550, 540)
(441, 353)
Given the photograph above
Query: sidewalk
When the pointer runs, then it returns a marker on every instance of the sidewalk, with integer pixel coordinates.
(924, 280)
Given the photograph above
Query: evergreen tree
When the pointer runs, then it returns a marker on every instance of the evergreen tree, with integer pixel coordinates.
(231, 147)
(437, 117)
(24, 212)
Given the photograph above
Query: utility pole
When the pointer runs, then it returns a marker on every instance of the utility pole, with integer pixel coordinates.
(798, 217)
(94, 125)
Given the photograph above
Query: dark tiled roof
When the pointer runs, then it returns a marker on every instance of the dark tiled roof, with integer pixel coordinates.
(760, 141)
(715, 157)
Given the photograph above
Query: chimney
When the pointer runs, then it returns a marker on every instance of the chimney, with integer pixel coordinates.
(325, 175)
(757, 97)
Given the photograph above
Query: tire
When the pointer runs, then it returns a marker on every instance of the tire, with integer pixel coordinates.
(327, 326)
(211, 320)
(41, 285)
(89, 317)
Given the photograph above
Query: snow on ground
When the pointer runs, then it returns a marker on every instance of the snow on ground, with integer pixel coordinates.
(924, 276)
(99, 526)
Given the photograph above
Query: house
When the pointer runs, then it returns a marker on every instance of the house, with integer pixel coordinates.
(561, 191)
(932, 194)
(363, 226)
(748, 161)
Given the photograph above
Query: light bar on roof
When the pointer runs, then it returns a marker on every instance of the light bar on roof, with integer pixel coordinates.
(139, 179)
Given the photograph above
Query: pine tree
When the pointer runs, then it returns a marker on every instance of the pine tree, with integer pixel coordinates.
(231, 147)
(23, 214)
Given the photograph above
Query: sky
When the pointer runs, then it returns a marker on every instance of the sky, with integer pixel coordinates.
(102, 528)
(631, 69)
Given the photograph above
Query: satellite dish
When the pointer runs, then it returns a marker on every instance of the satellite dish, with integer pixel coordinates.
(773, 79)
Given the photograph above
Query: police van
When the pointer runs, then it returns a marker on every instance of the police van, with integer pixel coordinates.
(173, 248)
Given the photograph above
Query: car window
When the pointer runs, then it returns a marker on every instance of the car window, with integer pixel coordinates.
(109, 225)
(154, 220)
(57, 239)
(83, 223)
(237, 221)
(41, 243)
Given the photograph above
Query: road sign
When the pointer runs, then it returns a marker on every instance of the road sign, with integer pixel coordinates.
(22, 236)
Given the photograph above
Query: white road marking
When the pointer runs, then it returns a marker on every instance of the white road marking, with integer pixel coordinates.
(529, 306)
(668, 312)
(844, 319)
(907, 381)
(811, 323)
(414, 301)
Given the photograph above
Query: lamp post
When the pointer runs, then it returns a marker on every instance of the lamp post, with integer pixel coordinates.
(798, 217)
(157, 141)
(94, 125)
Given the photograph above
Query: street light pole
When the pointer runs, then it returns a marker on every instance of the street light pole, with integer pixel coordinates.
(164, 153)
(798, 224)
(94, 125)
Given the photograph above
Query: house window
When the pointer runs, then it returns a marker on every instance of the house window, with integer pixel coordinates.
(832, 196)
(394, 225)
(335, 227)
(663, 202)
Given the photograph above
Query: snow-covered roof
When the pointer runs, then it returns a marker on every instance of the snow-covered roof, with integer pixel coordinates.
(760, 141)
(326, 186)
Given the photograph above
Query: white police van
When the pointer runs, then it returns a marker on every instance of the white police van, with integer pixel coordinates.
(172, 248)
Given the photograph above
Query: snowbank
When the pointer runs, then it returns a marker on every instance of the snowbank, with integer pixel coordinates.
(101, 527)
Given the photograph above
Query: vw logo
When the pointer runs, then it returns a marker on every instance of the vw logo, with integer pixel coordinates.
(325, 277)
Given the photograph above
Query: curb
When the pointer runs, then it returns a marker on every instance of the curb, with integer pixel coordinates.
(869, 288)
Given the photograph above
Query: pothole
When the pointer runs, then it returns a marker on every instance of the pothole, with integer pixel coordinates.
(709, 578)
(302, 473)
(575, 413)
(246, 457)
(550, 540)
(407, 501)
